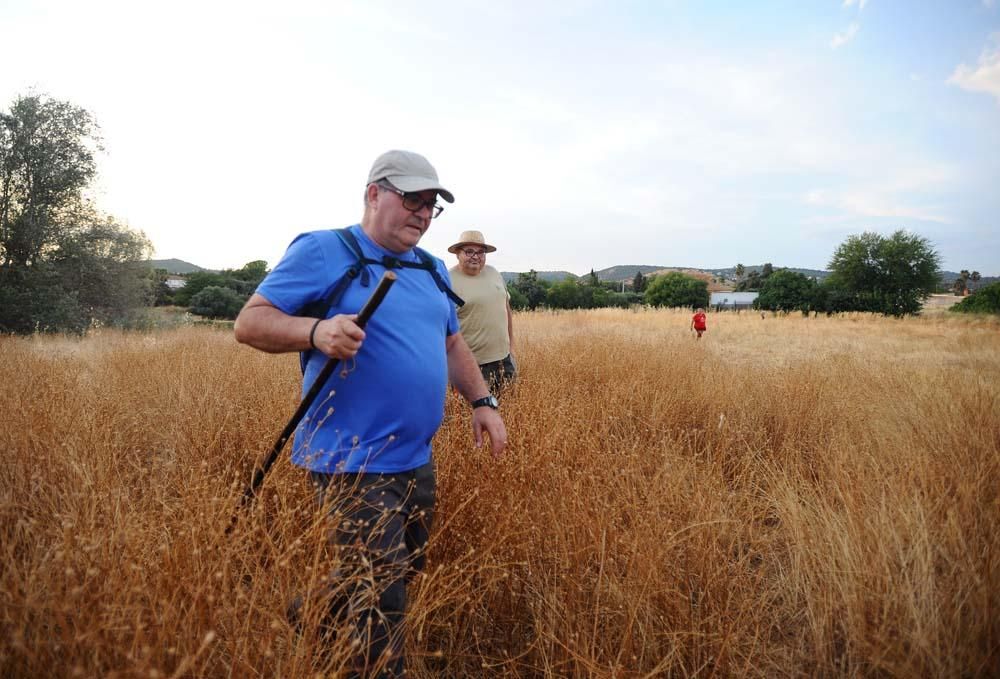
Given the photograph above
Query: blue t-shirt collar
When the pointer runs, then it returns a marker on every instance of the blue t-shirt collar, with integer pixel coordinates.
(369, 244)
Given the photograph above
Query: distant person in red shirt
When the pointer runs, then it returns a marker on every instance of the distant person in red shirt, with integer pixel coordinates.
(698, 322)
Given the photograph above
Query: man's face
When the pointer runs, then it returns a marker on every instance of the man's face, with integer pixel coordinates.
(394, 227)
(471, 259)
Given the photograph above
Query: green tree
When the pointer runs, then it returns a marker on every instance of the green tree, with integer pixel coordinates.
(639, 282)
(592, 293)
(198, 281)
(623, 300)
(675, 289)
(104, 264)
(217, 302)
(740, 270)
(983, 301)
(533, 288)
(64, 266)
(46, 161)
(786, 290)
(246, 279)
(889, 275)
(565, 294)
(974, 277)
(831, 297)
(518, 302)
(961, 283)
(752, 281)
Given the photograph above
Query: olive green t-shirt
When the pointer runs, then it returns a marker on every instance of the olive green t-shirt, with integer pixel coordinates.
(483, 318)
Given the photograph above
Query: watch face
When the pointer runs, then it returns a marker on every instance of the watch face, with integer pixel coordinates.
(490, 401)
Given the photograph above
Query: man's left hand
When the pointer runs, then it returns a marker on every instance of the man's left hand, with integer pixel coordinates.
(487, 419)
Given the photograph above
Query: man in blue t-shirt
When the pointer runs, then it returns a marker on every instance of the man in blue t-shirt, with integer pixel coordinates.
(366, 441)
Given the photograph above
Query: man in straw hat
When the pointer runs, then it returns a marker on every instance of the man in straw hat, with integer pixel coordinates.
(367, 444)
(486, 318)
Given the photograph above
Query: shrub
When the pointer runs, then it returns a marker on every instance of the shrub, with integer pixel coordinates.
(217, 302)
(983, 301)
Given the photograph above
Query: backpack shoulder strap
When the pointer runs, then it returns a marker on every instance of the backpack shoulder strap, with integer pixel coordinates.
(428, 262)
(359, 268)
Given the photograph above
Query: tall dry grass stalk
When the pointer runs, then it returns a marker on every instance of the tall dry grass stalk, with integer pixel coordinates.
(785, 497)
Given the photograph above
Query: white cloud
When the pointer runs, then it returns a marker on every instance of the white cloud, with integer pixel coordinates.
(985, 77)
(861, 3)
(845, 37)
(872, 202)
(989, 4)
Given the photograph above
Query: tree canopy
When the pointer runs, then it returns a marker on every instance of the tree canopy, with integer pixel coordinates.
(675, 289)
(786, 290)
(217, 302)
(889, 275)
(532, 288)
(64, 266)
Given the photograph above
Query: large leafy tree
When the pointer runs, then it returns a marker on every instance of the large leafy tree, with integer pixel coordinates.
(46, 160)
(104, 264)
(532, 287)
(246, 279)
(566, 294)
(63, 265)
(197, 282)
(518, 301)
(677, 290)
(889, 275)
(217, 302)
(786, 290)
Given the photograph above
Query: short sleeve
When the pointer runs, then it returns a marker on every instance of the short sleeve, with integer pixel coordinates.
(299, 278)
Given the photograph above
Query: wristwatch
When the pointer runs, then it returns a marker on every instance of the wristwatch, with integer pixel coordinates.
(490, 401)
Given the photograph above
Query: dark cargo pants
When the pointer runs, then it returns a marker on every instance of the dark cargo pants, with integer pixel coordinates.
(499, 374)
(382, 537)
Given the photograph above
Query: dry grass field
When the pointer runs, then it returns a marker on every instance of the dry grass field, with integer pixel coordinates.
(786, 497)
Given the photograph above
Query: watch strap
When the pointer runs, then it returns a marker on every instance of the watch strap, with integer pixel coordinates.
(490, 401)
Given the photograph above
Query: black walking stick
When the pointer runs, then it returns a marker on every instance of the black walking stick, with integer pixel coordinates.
(388, 278)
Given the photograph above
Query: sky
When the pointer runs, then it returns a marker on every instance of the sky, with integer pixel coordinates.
(575, 135)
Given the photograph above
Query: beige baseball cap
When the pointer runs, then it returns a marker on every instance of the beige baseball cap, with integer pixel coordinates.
(471, 238)
(408, 171)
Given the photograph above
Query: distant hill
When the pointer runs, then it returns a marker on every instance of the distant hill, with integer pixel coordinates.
(551, 276)
(622, 272)
(948, 277)
(724, 278)
(625, 272)
(730, 272)
(178, 266)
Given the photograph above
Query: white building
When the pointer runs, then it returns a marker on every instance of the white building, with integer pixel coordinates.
(732, 300)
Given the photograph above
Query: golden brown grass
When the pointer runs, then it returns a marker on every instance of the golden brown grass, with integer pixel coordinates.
(785, 497)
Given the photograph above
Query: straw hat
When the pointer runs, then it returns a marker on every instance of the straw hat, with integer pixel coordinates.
(471, 238)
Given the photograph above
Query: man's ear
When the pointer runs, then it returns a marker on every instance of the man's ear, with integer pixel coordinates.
(372, 194)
